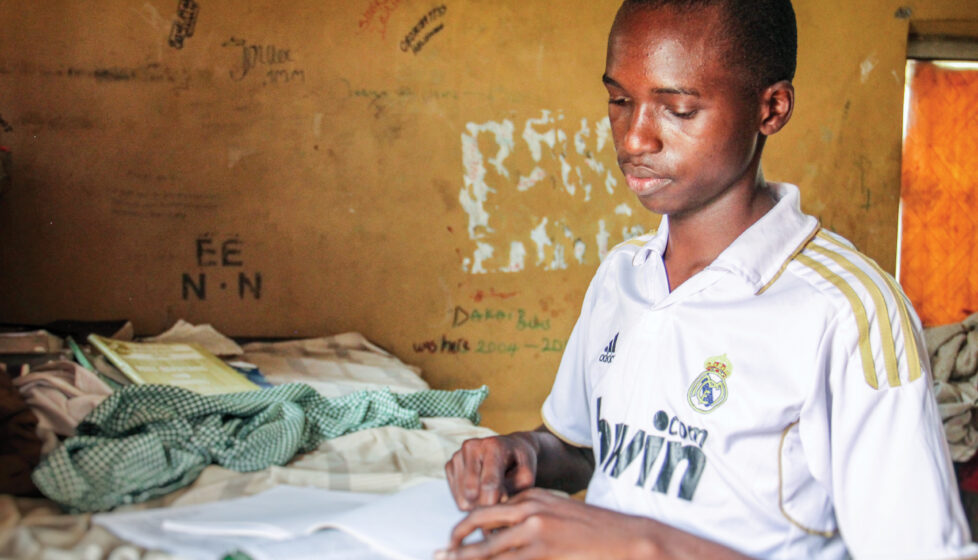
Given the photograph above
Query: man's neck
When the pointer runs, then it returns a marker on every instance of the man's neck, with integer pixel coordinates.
(696, 239)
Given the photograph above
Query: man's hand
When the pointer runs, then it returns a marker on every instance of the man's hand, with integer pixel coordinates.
(537, 524)
(488, 471)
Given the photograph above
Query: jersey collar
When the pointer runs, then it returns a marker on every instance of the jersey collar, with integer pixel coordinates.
(763, 251)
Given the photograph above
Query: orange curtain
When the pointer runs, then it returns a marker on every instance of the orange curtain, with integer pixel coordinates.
(939, 192)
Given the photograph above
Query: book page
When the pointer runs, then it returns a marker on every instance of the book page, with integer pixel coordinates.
(283, 512)
(298, 522)
(409, 525)
(145, 528)
(329, 544)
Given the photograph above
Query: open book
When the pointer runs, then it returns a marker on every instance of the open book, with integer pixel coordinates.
(298, 523)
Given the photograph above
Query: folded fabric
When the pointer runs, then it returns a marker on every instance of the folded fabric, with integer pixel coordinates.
(20, 448)
(953, 353)
(61, 394)
(145, 441)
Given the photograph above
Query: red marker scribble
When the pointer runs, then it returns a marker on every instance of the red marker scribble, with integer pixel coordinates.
(480, 295)
(380, 11)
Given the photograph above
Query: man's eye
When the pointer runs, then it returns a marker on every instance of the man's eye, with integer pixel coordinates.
(617, 101)
(686, 115)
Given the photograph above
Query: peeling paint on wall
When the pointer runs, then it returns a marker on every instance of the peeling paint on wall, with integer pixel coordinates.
(473, 196)
(317, 125)
(535, 140)
(631, 232)
(565, 155)
(602, 240)
(540, 238)
(535, 176)
(482, 252)
(579, 249)
(603, 132)
(517, 257)
(866, 67)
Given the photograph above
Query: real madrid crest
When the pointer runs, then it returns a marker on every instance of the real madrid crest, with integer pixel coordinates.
(709, 390)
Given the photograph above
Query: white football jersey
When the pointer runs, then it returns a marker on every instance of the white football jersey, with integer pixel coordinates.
(778, 402)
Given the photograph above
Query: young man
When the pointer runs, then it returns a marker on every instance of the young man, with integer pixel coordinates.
(740, 382)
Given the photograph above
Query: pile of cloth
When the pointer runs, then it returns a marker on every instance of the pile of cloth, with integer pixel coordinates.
(89, 446)
(953, 351)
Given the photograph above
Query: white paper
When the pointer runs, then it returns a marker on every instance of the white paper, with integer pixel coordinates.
(280, 513)
(329, 544)
(408, 525)
(145, 529)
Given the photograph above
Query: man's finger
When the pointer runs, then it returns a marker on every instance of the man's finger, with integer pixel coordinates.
(470, 475)
(452, 470)
(491, 490)
(487, 519)
(483, 485)
(520, 476)
(508, 543)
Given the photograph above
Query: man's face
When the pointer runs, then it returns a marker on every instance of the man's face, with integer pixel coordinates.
(685, 127)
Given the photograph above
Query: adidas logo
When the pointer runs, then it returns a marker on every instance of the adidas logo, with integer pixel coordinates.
(609, 351)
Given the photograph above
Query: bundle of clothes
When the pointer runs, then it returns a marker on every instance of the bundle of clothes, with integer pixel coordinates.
(953, 351)
(90, 444)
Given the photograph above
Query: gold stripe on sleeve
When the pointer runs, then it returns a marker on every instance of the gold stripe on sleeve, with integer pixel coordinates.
(882, 313)
(862, 323)
(909, 339)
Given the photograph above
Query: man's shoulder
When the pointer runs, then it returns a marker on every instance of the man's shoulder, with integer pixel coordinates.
(836, 268)
(868, 301)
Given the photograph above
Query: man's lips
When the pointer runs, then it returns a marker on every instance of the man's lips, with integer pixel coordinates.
(642, 180)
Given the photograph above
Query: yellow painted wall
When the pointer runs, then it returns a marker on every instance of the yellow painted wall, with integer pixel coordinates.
(374, 178)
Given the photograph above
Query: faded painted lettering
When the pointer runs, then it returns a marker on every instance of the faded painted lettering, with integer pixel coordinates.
(216, 255)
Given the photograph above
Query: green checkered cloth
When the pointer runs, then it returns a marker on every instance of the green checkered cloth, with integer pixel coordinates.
(144, 441)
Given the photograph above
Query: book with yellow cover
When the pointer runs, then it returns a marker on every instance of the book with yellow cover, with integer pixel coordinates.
(182, 364)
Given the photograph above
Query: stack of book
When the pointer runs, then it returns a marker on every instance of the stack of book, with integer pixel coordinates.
(121, 362)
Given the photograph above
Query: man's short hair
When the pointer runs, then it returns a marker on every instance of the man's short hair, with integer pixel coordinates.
(762, 34)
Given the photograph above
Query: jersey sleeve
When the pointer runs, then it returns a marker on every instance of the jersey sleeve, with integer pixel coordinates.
(880, 451)
(566, 411)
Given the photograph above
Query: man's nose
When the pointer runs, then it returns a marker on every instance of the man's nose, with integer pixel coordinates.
(643, 135)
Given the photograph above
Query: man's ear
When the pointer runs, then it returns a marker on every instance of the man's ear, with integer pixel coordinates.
(777, 103)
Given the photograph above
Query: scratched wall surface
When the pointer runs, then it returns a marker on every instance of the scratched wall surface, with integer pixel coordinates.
(436, 175)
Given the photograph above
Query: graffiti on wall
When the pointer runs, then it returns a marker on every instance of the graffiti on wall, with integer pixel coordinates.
(275, 64)
(186, 21)
(427, 27)
(376, 15)
(529, 331)
(220, 269)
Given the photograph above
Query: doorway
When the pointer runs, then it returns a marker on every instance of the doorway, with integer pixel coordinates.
(938, 252)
